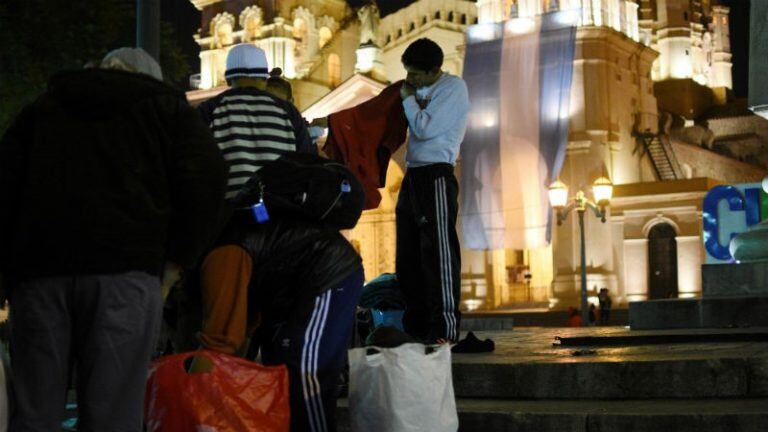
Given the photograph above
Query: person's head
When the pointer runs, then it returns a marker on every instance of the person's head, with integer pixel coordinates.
(134, 60)
(247, 67)
(278, 86)
(422, 61)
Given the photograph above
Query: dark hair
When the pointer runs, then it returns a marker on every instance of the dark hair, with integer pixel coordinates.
(423, 54)
(276, 79)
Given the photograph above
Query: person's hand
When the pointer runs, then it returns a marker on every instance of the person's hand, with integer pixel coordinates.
(200, 364)
(407, 90)
(171, 275)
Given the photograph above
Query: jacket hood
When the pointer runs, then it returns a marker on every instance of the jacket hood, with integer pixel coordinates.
(101, 90)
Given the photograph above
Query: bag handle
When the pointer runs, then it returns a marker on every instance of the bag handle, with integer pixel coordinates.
(428, 349)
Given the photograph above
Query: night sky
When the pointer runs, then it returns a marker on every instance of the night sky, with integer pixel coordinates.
(187, 20)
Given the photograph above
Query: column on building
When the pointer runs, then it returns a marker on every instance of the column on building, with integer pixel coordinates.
(720, 72)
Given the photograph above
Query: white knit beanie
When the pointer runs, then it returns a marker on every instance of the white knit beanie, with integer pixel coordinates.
(132, 60)
(246, 60)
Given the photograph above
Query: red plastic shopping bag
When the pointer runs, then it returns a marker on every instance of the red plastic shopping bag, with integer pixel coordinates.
(236, 395)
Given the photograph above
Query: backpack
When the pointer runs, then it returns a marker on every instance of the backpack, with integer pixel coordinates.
(305, 186)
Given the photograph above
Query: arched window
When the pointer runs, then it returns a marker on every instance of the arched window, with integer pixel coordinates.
(464, 19)
(334, 70)
(400, 33)
(437, 15)
(389, 39)
(450, 16)
(424, 20)
(412, 27)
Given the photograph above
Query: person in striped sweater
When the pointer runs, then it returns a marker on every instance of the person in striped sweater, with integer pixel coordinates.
(291, 286)
(251, 126)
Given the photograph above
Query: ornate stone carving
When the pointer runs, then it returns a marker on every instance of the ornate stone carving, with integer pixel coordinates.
(303, 23)
(251, 20)
(327, 26)
(222, 26)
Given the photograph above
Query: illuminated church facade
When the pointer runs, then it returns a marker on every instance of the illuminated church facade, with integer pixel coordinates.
(651, 108)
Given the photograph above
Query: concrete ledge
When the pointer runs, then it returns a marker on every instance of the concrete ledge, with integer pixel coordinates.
(742, 415)
(710, 312)
(489, 323)
(681, 379)
(745, 279)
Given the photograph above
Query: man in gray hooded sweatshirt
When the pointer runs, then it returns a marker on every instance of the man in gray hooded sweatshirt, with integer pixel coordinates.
(107, 179)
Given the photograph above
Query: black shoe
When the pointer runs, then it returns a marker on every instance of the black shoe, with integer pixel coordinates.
(471, 344)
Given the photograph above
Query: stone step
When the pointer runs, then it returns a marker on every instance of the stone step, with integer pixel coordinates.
(507, 320)
(569, 378)
(488, 415)
(535, 363)
(707, 312)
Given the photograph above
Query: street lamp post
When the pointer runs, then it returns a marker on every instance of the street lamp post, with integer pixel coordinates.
(602, 190)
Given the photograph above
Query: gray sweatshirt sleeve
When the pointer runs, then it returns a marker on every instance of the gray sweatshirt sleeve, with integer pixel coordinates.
(448, 106)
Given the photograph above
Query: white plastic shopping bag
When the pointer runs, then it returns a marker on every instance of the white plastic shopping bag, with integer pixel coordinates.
(402, 389)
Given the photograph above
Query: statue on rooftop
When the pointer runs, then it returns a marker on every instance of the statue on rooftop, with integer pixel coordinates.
(369, 23)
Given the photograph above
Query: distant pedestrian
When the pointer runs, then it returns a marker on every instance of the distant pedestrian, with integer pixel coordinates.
(574, 318)
(281, 88)
(106, 180)
(605, 305)
(592, 314)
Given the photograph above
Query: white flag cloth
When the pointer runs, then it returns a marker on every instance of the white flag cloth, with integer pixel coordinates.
(519, 75)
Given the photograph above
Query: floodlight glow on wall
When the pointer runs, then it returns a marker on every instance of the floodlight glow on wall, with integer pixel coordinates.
(518, 26)
(483, 32)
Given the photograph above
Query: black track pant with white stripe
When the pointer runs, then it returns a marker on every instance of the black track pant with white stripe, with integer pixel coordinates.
(428, 252)
(315, 352)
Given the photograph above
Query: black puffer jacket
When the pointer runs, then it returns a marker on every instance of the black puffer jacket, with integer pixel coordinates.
(293, 262)
(108, 171)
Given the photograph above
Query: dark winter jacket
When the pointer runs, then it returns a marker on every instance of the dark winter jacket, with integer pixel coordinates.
(108, 171)
(294, 261)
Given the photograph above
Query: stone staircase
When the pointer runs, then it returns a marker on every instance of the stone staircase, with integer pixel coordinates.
(530, 385)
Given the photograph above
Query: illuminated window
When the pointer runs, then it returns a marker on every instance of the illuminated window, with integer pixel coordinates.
(334, 70)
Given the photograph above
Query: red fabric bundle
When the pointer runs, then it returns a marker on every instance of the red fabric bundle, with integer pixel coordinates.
(365, 136)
